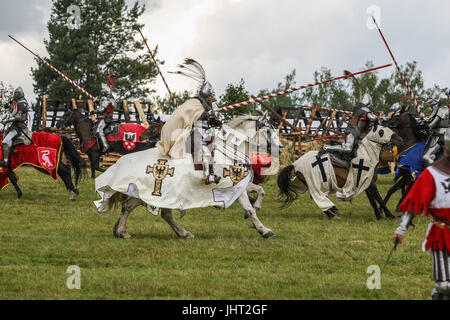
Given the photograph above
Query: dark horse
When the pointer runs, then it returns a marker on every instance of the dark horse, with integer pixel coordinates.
(64, 171)
(412, 133)
(84, 129)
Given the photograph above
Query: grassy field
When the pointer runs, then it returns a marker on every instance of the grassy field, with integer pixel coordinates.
(310, 258)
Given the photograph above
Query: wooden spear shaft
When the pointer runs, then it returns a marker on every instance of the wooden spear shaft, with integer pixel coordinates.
(269, 108)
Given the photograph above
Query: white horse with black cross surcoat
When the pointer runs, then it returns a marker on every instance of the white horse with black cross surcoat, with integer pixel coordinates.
(321, 178)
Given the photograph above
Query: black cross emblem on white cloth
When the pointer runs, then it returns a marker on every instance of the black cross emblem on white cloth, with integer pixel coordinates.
(360, 168)
(320, 162)
(446, 187)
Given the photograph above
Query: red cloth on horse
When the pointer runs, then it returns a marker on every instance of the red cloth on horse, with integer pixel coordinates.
(425, 196)
(259, 162)
(129, 134)
(44, 155)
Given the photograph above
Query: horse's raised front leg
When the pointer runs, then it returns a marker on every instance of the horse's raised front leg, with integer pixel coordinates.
(120, 228)
(260, 194)
(245, 203)
(166, 214)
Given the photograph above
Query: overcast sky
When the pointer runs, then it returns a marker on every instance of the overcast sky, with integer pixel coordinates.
(260, 41)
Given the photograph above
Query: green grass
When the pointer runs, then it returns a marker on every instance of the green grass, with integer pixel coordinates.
(310, 258)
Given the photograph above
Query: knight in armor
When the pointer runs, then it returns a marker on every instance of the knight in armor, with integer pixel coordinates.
(360, 122)
(431, 194)
(104, 114)
(15, 124)
(396, 110)
(196, 119)
(437, 124)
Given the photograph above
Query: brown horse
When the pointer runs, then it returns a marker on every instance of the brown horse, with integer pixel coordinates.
(68, 153)
(84, 129)
(413, 134)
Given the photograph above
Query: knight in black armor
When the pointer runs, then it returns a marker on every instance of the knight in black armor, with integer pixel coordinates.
(437, 124)
(15, 125)
(104, 113)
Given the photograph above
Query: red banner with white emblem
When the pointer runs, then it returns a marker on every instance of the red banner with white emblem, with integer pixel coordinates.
(43, 155)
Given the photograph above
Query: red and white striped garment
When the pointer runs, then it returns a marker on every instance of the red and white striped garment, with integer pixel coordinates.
(431, 194)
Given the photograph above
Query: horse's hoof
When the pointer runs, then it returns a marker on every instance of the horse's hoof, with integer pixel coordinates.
(122, 235)
(188, 235)
(72, 199)
(19, 195)
(76, 191)
(268, 234)
(246, 215)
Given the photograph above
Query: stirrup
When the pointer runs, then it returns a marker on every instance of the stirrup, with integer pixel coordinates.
(212, 179)
(4, 163)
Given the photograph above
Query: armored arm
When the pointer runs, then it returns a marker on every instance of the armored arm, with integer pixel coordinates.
(346, 147)
(405, 221)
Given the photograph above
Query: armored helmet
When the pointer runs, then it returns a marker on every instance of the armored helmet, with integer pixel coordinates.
(394, 111)
(18, 93)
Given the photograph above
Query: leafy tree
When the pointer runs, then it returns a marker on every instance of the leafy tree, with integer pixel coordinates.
(6, 95)
(234, 94)
(165, 104)
(103, 44)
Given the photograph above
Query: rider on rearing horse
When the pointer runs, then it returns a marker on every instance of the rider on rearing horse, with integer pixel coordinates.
(15, 124)
(359, 124)
(104, 111)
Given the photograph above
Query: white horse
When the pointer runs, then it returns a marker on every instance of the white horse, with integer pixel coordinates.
(321, 177)
(130, 185)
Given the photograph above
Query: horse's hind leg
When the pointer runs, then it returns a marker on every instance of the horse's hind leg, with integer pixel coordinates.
(66, 175)
(166, 214)
(120, 228)
(245, 203)
(13, 180)
(91, 161)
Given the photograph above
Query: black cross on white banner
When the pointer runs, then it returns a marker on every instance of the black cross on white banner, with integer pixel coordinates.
(320, 162)
(360, 168)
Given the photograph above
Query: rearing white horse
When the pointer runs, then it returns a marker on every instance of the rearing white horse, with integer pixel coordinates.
(155, 181)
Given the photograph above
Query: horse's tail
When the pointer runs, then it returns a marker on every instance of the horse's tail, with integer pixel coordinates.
(72, 154)
(284, 184)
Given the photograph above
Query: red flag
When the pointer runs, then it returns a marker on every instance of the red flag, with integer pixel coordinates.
(111, 80)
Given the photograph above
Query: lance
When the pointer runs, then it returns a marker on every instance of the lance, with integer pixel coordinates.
(398, 69)
(409, 98)
(320, 138)
(56, 70)
(272, 95)
(160, 73)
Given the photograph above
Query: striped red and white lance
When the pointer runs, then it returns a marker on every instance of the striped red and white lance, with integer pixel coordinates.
(160, 73)
(273, 95)
(398, 69)
(409, 98)
(56, 70)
